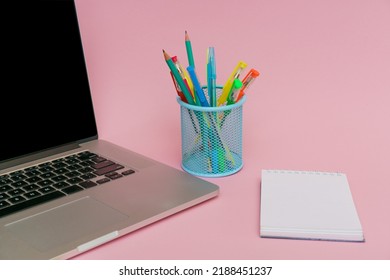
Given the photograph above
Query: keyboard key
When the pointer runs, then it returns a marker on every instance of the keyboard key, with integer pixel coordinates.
(108, 169)
(87, 163)
(74, 167)
(32, 173)
(74, 180)
(30, 187)
(72, 189)
(19, 184)
(46, 169)
(45, 183)
(5, 181)
(102, 181)
(29, 203)
(88, 176)
(3, 196)
(98, 159)
(16, 192)
(115, 176)
(61, 185)
(5, 188)
(16, 173)
(46, 189)
(128, 172)
(4, 204)
(85, 170)
(59, 165)
(59, 178)
(47, 175)
(32, 194)
(86, 156)
(31, 168)
(57, 161)
(18, 177)
(102, 164)
(61, 171)
(71, 156)
(71, 161)
(87, 184)
(4, 176)
(72, 174)
(33, 179)
(109, 174)
(16, 199)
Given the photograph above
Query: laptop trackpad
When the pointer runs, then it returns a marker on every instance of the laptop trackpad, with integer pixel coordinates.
(66, 223)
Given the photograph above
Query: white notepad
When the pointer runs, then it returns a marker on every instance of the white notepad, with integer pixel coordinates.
(308, 205)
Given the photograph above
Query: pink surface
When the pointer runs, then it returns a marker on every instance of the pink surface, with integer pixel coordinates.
(321, 103)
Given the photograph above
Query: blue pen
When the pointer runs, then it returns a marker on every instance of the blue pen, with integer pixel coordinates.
(214, 160)
(211, 76)
(198, 89)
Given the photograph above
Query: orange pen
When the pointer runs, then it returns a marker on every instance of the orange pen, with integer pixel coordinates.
(246, 82)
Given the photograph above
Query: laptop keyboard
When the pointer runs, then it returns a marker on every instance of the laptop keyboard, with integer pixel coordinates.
(50, 180)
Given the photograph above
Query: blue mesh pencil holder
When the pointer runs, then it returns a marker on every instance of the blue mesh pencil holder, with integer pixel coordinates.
(211, 138)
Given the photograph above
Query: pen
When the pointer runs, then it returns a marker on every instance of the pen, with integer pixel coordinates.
(221, 159)
(183, 98)
(178, 78)
(183, 75)
(217, 147)
(237, 84)
(178, 89)
(228, 85)
(214, 160)
(198, 88)
(211, 76)
(190, 55)
(246, 82)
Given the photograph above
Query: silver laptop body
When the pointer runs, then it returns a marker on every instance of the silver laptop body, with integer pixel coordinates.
(93, 207)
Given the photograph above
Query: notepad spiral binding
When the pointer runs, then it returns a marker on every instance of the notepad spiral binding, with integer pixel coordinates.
(280, 171)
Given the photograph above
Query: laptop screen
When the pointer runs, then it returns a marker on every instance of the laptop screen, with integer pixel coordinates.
(45, 99)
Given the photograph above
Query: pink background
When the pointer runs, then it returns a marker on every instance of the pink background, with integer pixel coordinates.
(321, 103)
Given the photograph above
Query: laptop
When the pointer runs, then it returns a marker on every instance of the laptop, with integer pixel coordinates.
(64, 191)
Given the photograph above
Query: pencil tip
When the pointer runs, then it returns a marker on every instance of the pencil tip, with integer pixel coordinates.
(166, 55)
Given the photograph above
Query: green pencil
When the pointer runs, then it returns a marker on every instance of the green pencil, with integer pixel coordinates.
(189, 51)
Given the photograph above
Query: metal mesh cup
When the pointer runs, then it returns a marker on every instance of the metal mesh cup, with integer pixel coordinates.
(211, 138)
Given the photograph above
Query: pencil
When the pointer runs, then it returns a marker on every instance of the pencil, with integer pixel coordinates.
(178, 78)
(189, 50)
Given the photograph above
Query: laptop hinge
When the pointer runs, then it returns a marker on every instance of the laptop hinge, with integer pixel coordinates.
(39, 155)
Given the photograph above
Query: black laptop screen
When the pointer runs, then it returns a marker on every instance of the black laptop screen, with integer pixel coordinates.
(45, 96)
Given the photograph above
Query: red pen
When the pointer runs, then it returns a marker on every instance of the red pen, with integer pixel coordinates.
(178, 89)
(247, 81)
(186, 79)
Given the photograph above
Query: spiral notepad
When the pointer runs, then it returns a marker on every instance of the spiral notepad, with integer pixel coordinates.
(308, 205)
